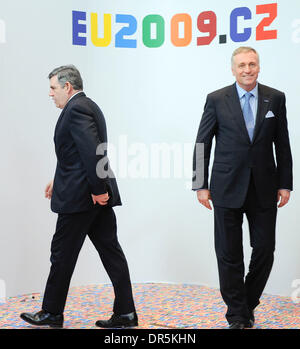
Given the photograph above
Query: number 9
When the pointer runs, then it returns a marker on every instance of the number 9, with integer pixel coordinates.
(204, 27)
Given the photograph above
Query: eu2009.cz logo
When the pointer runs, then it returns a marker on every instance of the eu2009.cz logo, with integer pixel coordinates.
(155, 28)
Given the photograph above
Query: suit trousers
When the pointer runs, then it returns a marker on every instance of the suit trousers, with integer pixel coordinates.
(71, 229)
(241, 295)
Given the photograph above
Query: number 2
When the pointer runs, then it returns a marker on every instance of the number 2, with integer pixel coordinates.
(262, 34)
(129, 30)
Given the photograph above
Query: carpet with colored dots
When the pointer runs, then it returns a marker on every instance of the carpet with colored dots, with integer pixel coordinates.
(159, 306)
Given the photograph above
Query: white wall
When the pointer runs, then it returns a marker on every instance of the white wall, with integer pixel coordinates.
(148, 95)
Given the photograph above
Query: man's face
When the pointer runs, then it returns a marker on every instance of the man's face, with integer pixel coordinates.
(59, 94)
(245, 69)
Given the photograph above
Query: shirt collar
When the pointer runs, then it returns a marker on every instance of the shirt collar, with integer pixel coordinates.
(241, 91)
(73, 96)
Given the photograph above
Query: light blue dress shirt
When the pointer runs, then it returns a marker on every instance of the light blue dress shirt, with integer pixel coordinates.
(253, 100)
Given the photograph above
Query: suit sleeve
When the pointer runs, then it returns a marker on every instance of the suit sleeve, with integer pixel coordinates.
(87, 136)
(283, 150)
(202, 149)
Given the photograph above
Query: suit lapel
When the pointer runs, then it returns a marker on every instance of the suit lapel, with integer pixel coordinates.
(262, 108)
(63, 112)
(236, 112)
(58, 122)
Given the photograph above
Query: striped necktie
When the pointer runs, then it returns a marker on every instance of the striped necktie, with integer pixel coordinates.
(248, 114)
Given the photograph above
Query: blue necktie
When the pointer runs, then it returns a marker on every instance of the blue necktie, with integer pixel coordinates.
(248, 115)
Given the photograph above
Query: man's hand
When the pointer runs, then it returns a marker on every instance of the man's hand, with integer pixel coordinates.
(203, 196)
(100, 199)
(48, 190)
(283, 196)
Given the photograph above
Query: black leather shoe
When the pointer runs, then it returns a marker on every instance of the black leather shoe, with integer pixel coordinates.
(251, 322)
(119, 321)
(42, 318)
(237, 325)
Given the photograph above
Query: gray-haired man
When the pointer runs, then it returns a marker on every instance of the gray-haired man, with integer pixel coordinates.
(84, 202)
(247, 119)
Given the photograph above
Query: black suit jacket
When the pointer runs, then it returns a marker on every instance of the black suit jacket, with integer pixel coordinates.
(79, 130)
(236, 157)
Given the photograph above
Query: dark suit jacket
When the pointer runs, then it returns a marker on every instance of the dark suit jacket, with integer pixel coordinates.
(236, 157)
(79, 130)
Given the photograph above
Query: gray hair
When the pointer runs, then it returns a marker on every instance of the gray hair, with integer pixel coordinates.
(243, 49)
(68, 73)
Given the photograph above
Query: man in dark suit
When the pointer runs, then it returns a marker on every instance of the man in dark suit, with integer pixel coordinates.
(247, 119)
(83, 194)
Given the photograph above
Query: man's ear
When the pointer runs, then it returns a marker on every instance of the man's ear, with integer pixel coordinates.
(68, 86)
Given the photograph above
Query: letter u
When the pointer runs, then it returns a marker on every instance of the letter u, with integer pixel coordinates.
(105, 41)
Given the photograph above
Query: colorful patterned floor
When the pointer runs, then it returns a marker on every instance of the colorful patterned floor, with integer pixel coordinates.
(159, 306)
